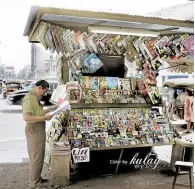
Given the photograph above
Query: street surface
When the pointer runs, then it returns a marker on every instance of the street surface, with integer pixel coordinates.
(12, 136)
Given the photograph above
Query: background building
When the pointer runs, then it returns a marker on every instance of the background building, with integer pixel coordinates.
(25, 73)
(9, 73)
(43, 62)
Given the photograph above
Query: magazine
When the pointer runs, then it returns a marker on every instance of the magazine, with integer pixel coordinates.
(124, 84)
(189, 44)
(154, 95)
(63, 106)
(112, 83)
(91, 63)
(95, 83)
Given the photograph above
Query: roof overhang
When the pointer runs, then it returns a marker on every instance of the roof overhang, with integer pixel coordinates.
(83, 19)
(179, 83)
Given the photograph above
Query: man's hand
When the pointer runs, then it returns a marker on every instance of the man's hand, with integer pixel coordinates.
(51, 108)
(48, 117)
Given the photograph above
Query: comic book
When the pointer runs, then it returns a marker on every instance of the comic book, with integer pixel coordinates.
(91, 63)
(134, 83)
(112, 83)
(154, 95)
(102, 84)
(73, 92)
(124, 84)
(69, 44)
(81, 40)
(188, 43)
(85, 83)
(95, 83)
(162, 42)
(150, 47)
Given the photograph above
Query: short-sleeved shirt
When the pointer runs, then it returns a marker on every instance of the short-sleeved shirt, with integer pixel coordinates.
(31, 104)
(182, 97)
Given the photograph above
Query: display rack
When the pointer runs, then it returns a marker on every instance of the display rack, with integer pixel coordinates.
(114, 105)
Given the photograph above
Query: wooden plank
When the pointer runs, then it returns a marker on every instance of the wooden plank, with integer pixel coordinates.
(114, 105)
(130, 146)
(60, 169)
(184, 144)
(111, 105)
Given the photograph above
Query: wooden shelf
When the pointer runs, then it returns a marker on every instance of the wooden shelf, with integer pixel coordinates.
(114, 105)
(180, 60)
(131, 146)
(111, 105)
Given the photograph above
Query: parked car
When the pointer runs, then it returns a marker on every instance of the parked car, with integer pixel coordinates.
(10, 87)
(15, 98)
(2, 87)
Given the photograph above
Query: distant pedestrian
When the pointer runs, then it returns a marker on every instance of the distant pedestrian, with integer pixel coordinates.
(189, 110)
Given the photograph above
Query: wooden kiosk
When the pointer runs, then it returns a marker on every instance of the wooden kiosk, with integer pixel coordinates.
(48, 26)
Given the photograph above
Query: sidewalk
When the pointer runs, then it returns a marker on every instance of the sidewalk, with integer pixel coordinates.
(15, 176)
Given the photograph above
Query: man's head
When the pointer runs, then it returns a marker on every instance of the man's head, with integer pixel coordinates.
(189, 92)
(41, 87)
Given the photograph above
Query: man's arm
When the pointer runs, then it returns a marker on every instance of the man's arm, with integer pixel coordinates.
(34, 119)
(52, 108)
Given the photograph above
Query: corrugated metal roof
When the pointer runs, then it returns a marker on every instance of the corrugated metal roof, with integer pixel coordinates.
(105, 16)
(179, 12)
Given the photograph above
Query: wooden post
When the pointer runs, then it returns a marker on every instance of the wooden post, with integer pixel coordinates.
(60, 168)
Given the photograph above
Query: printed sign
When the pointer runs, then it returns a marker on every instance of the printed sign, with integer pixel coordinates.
(80, 155)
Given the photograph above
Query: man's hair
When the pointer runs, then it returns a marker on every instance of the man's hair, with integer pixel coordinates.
(42, 83)
(190, 93)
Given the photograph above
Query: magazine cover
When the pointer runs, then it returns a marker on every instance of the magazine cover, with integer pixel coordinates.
(112, 83)
(154, 95)
(91, 63)
(102, 83)
(189, 44)
(134, 83)
(54, 33)
(73, 92)
(150, 47)
(95, 83)
(74, 95)
(131, 52)
(50, 39)
(124, 84)
(69, 44)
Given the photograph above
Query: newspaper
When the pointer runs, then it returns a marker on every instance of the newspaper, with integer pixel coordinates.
(63, 106)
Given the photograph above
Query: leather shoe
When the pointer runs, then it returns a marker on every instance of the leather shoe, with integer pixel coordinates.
(44, 180)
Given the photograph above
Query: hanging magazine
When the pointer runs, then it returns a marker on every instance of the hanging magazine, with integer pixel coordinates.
(154, 95)
(189, 44)
(91, 63)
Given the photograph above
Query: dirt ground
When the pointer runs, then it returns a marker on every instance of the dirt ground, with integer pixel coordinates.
(15, 176)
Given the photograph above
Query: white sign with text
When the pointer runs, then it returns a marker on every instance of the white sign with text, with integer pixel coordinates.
(81, 155)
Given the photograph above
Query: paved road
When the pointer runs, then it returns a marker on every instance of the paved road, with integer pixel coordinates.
(12, 136)
(11, 122)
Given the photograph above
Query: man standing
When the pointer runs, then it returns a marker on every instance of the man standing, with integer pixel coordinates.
(35, 118)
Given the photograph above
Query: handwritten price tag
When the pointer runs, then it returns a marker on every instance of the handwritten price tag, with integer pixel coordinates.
(80, 155)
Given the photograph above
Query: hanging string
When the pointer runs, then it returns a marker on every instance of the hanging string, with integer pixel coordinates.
(183, 64)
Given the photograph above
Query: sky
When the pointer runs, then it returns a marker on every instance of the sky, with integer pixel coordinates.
(15, 48)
